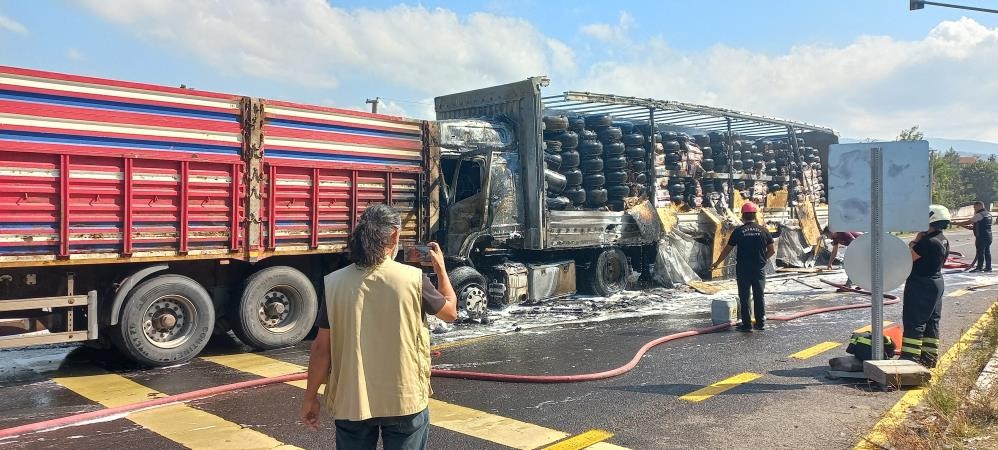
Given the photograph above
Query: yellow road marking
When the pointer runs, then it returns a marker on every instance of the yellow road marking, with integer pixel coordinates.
(959, 293)
(700, 395)
(815, 350)
(877, 437)
(869, 328)
(462, 342)
(177, 422)
(582, 440)
(460, 419)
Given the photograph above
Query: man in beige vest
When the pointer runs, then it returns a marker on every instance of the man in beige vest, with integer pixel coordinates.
(373, 347)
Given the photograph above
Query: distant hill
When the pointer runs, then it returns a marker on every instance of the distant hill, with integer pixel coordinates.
(964, 146)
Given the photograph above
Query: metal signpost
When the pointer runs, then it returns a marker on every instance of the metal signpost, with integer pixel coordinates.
(859, 177)
(877, 230)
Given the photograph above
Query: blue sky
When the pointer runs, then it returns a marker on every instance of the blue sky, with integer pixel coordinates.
(866, 68)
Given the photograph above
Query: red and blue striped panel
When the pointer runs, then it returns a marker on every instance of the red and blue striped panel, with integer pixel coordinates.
(93, 168)
(58, 113)
(314, 136)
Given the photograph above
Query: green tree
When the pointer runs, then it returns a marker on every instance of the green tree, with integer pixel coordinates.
(911, 134)
(980, 180)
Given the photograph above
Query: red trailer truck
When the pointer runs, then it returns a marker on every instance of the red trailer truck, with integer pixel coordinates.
(149, 218)
(156, 215)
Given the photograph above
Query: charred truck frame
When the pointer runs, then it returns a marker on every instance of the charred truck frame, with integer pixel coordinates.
(147, 218)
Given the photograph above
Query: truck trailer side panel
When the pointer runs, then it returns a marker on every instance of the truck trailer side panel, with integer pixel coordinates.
(325, 165)
(97, 170)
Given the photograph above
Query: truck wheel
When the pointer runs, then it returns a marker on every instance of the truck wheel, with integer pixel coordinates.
(615, 177)
(607, 274)
(615, 163)
(618, 192)
(635, 152)
(633, 139)
(166, 320)
(568, 139)
(610, 134)
(576, 195)
(552, 146)
(277, 308)
(472, 294)
(596, 197)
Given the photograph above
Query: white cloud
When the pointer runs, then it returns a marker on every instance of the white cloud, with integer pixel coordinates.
(612, 33)
(312, 43)
(74, 54)
(6, 23)
(872, 87)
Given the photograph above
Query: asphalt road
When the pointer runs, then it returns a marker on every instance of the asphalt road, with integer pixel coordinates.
(785, 403)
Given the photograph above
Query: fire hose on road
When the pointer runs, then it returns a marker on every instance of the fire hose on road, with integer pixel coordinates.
(482, 376)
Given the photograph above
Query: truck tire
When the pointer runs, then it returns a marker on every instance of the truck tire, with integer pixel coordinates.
(607, 274)
(590, 148)
(568, 139)
(640, 178)
(552, 161)
(615, 177)
(588, 135)
(635, 152)
(277, 308)
(592, 165)
(633, 139)
(569, 160)
(552, 146)
(598, 120)
(638, 165)
(573, 177)
(596, 197)
(594, 181)
(556, 182)
(610, 135)
(577, 123)
(672, 158)
(613, 149)
(615, 163)
(472, 291)
(618, 192)
(555, 123)
(166, 320)
(576, 195)
(671, 146)
(557, 203)
(616, 205)
(626, 126)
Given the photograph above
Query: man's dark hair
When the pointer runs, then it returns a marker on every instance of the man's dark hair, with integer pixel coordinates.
(749, 216)
(371, 238)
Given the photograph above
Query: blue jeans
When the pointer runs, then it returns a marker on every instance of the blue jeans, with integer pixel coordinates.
(397, 433)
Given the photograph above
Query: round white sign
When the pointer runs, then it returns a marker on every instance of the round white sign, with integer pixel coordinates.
(894, 253)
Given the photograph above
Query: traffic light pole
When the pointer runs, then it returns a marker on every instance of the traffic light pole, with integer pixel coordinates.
(919, 4)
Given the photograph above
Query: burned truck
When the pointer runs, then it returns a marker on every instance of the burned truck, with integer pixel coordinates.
(544, 196)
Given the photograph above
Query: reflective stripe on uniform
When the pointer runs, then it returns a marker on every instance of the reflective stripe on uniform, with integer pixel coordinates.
(911, 350)
(930, 350)
(930, 341)
(911, 346)
(909, 340)
(863, 340)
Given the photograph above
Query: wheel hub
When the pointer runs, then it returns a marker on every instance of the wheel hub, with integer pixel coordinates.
(168, 321)
(475, 299)
(274, 309)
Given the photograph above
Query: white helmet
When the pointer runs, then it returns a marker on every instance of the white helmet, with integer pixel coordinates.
(939, 213)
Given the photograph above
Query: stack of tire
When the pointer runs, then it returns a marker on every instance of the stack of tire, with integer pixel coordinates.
(719, 151)
(634, 176)
(557, 138)
(592, 151)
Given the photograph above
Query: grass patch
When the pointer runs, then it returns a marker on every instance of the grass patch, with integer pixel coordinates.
(950, 417)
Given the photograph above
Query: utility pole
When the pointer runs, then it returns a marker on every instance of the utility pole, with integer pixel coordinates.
(374, 104)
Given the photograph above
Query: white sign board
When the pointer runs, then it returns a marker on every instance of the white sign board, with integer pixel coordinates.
(895, 255)
(906, 181)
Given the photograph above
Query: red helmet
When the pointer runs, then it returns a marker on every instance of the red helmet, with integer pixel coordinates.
(749, 207)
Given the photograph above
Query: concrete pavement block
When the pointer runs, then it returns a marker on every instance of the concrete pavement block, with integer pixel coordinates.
(846, 364)
(896, 372)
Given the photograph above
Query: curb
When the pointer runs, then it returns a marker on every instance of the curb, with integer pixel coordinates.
(988, 378)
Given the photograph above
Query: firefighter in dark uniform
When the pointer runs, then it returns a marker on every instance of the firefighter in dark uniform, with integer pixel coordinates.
(981, 224)
(923, 291)
(755, 247)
